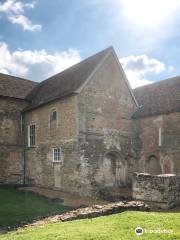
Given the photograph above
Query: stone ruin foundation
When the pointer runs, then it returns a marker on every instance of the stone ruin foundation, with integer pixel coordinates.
(163, 191)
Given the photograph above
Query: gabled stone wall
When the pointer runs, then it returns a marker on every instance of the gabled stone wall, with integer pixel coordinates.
(94, 131)
(105, 131)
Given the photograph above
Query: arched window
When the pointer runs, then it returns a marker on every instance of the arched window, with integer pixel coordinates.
(54, 115)
(153, 165)
(53, 122)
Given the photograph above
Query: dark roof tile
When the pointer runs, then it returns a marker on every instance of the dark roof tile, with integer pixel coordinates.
(15, 87)
(158, 98)
(67, 82)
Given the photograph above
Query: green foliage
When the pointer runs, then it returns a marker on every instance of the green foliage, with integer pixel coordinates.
(17, 206)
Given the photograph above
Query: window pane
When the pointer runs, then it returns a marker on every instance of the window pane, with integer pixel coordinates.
(54, 115)
(56, 154)
(32, 135)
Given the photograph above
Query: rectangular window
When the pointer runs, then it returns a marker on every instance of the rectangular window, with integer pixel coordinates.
(56, 154)
(31, 135)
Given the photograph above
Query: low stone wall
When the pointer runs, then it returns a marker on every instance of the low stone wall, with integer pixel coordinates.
(94, 211)
(83, 213)
(162, 190)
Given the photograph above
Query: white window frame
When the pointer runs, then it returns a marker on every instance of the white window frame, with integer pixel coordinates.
(57, 154)
(31, 138)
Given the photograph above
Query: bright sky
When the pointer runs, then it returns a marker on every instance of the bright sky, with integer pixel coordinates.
(40, 38)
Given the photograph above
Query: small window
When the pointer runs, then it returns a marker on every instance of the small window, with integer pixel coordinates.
(54, 116)
(31, 135)
(56, 154)
(53, 122)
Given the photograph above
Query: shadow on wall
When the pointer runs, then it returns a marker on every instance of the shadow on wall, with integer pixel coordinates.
(112, 177)
(114, 169)
(156, 166)
(153, 165)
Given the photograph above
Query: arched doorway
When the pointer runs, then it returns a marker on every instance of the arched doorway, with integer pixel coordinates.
(153, 165)
(167, 165)
(114, 169)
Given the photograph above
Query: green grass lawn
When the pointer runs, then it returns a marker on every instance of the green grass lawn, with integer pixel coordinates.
(17, 206)
(115, 227)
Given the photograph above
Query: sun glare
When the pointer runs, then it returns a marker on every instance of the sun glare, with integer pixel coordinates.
(149, 13)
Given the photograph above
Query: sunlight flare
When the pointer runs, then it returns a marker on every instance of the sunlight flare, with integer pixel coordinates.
(151, 13)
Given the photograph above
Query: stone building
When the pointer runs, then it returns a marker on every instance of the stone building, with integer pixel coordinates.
(85, 131)
(157, 127)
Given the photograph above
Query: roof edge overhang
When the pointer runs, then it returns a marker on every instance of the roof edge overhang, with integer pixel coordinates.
(21, 99)
(29, 108)
(156, 114)
(125, 77)
(110, 50)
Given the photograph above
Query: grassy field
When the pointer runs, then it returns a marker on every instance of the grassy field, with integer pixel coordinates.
(17, 206)
(115, 227)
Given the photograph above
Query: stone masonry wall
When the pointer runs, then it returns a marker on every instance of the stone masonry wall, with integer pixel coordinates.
(155, 158)
(105, 130)
(11, 141)
(162, 190)
(40, 168)
(94, 131)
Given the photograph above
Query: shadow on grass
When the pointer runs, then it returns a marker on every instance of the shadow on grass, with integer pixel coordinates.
(18, 208)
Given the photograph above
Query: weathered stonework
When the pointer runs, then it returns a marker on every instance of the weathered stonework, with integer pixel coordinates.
(40, 168)
(105, 129)
(94, 132)
(103, 134)
(94, 211)
(162, 190)
(147, 144)
(11, 141)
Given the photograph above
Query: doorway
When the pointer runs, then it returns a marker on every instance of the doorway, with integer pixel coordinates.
(114, 169)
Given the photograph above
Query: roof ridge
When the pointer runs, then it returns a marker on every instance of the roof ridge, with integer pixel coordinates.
(76, 64)
(41, 84)
(20, 78)
(159, 98)
(158, 82)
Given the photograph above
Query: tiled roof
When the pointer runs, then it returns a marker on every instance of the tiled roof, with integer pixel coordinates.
(15, 87)
(158, 98)
(67, 82)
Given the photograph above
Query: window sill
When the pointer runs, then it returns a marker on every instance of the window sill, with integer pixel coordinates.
(60, 162)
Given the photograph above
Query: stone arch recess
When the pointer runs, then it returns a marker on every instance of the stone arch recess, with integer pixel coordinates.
(118, 167)
(153, 165)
